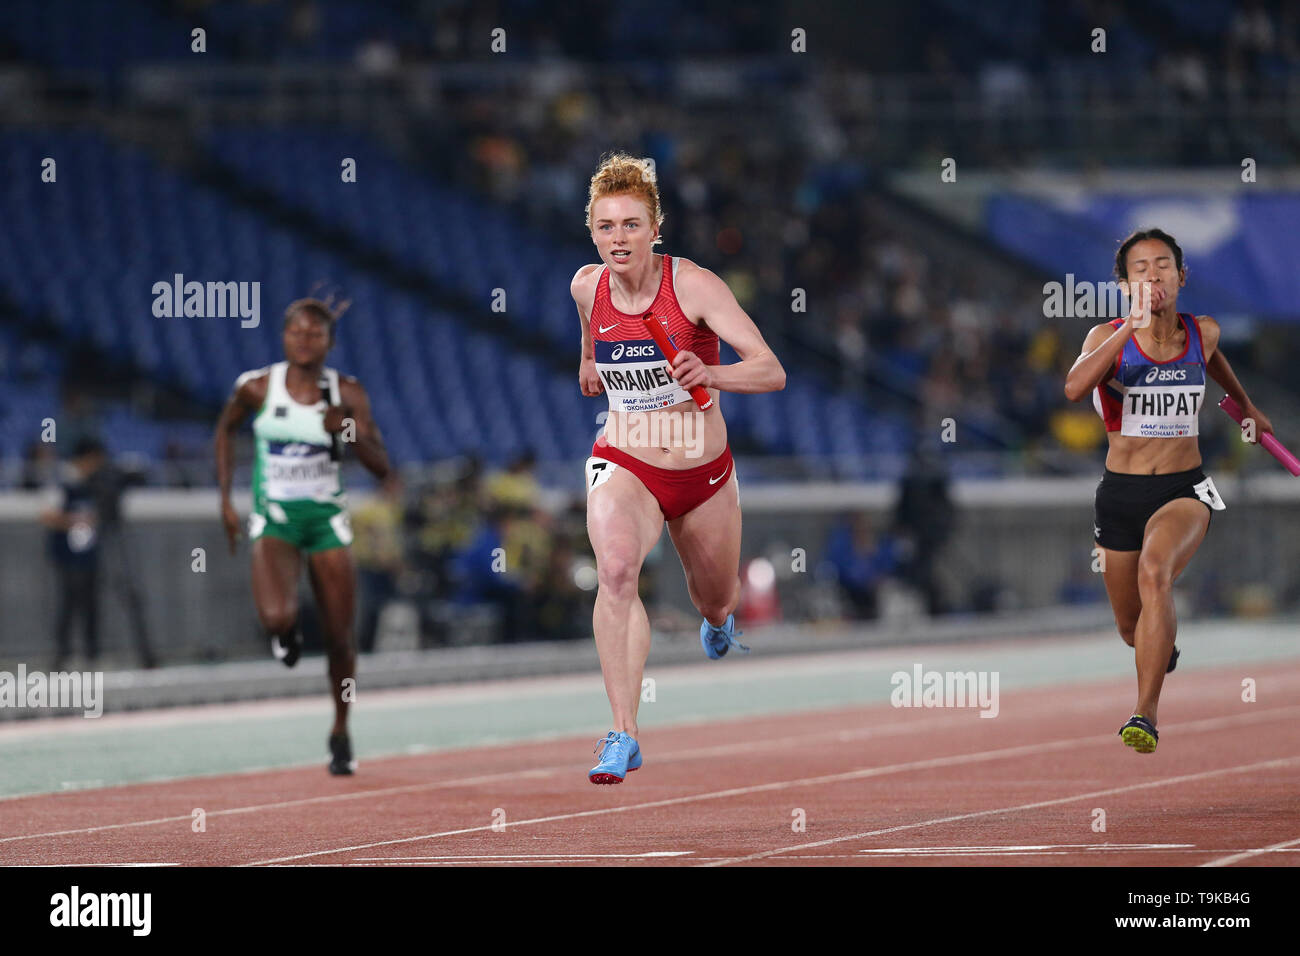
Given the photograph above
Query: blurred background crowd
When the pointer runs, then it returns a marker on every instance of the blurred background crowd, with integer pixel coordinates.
(804, 171)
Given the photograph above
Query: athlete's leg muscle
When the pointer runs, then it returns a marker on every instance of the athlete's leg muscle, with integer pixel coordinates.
(333, 582)
(708, 542)
(623, 522)
(1172, 536)
(1121, 576)
(275, 584)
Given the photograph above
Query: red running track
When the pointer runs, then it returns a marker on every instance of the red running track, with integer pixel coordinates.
(872, 785)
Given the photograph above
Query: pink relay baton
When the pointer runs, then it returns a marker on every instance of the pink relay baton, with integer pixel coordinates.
(660, 335)
(1271, 444)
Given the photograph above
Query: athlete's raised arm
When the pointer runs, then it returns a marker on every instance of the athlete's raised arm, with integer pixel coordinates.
(1101, 347)
(703, 295)
(1217, 367)
(583, 292)
(245, 399)
(369, 441)
(1103, 343)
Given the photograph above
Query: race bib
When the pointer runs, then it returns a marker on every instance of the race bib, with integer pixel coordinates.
(598, 472)
(1162, 401)
(342, 526)
(296, 470)
(1206, 491)
(635, 375)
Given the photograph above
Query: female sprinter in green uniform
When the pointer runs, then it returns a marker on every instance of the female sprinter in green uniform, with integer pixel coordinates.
(304, 413)
(1148, 375)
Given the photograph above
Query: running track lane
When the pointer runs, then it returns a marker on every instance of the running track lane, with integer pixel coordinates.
(877, 786)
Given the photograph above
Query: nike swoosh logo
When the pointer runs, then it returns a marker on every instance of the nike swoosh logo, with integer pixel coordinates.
(606, 328)
(714, 481)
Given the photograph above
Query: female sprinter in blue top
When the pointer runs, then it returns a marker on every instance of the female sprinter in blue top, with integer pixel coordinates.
(1147, 374)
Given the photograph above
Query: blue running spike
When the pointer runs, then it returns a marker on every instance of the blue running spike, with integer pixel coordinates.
(718, 640)
(619, 756)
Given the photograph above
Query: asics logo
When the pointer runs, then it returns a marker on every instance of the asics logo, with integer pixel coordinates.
(299, 449)
(1165, 375)
(606, 328)
(714, 481)
(631, 351)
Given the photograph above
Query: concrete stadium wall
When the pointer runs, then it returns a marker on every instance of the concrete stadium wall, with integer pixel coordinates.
(1024, 538)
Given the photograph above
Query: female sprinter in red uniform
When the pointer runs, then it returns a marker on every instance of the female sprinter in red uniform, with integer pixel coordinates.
(1148, 372)
(299, 515)
(660, 459)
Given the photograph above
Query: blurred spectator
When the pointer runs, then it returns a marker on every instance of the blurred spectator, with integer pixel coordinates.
(109, 482)
(446, 519)
(1185, 72)
(530, 542)
(517, 486)
(528, 539)
(482, 575)
(304, 24)
(558, 604)
(924, 517)
(1082, 586)
(1251, 35)
(40, 466)
(74, 548)
(1078, 429)
(444, 523)
(377, 56)
(86, 528)
(177, 464)
(79, 420)
(861, 559)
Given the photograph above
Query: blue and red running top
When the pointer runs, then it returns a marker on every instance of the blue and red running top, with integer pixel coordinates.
(1149, 399)
(630, 364)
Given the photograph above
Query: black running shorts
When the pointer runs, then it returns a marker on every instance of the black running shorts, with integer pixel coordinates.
(1125, 503)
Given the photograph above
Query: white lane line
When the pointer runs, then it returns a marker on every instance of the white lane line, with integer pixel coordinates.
(929, 764)
(57, 866)
(532, 856)
(915, 722)
(1030, 848)
(1096, 687)
(284, 804)
(975, 815)
(1238, 857)
(1083, 701)
(855, 855)
(848, 857)
(911, 726)
(521, 862)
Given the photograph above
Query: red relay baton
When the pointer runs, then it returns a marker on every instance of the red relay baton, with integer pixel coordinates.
(1271, 444)
(660, 335)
